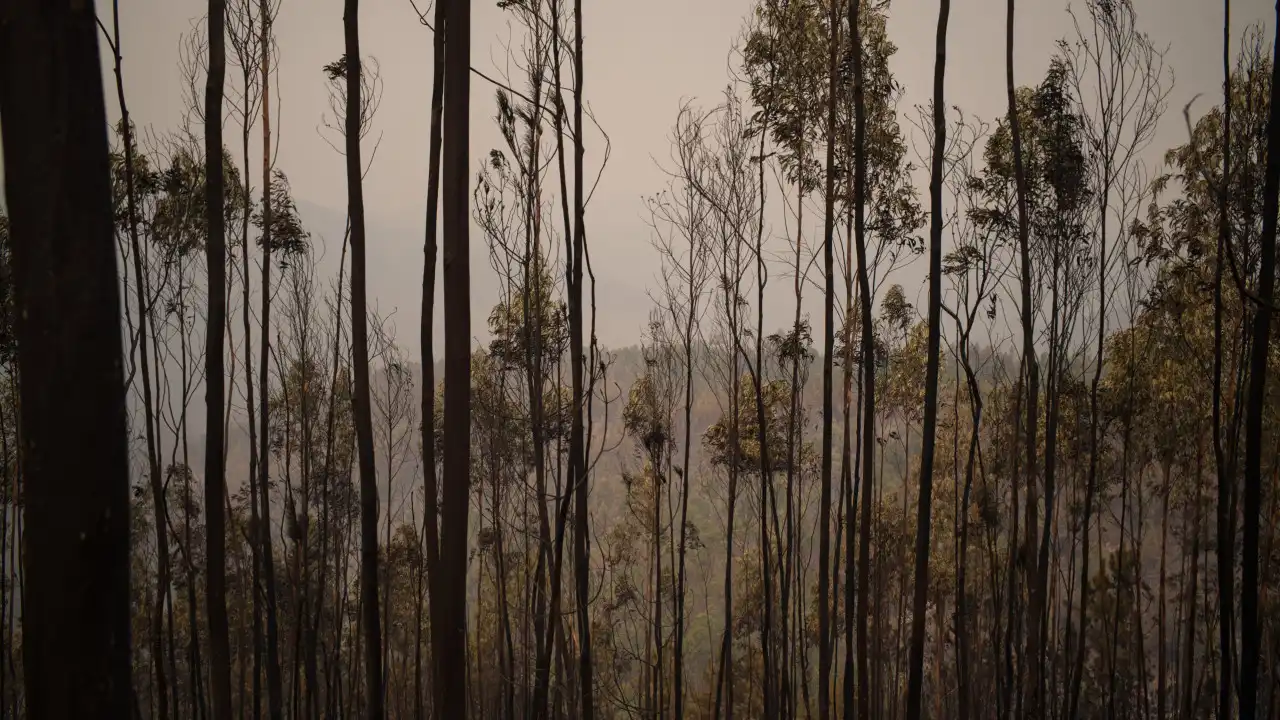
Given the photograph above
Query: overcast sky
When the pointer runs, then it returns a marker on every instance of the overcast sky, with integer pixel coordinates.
(642, 58)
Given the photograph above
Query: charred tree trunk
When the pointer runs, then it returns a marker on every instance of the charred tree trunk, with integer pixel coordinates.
(828, 360)
(1251, 635)
(924, 517)
(578, 480)
(360, 360)
(452, 673)
(431, 490)
(148, 407)
(214, 460)
(274, 691)
(868, 377)
(1030, 362)
(76, 644)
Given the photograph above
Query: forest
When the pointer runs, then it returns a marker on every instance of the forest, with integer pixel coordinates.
(934, 416)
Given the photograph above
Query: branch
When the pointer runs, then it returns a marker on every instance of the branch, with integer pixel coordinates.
(422, 18)
(1219, 191)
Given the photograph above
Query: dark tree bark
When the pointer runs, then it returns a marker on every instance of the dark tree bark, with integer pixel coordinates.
(431, 490)
(1029, 360)
(550, 628)
(828, 361)
(148, 407)
(274, 692)
(373, 687)
(577, 444)
(868, 376)
(76, 641)
(255, 552)
(924, 518)
(1225, 535)
(215, 381)
(1251, 634)
(452, 672)
(690, 322)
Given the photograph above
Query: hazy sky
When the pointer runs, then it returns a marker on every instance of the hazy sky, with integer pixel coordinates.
(642, 59)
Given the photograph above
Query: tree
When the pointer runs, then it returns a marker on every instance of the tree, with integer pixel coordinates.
(153, 452)
(1250, 632)
(269, 241)
(426, 329)
(457, 371)
(76, 645)
(915, 682)
(216, 264)
(828, 363)
(373, 679)
(868, 387)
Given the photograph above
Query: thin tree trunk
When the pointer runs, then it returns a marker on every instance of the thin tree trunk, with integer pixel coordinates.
(1225, 533)
(214, 466)
(452, 673)
(924, 517)
(274, 700)
(360, 360)
(1161, 664)
(577, 443)
(153, 458)
(1187, 681)
(1251, 635)
(690, 321)
(828, 360)
(254, 536)
(1031, 364)
(431, 511)
(868, 377)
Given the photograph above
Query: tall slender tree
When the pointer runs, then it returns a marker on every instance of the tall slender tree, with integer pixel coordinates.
(431, 491)
(1250, 631)
(868, 386)
(828, 364)
(275, 701)
(578, 479)
(369, 611)
(1226, 538)
(148, 406)
(924, 517)
(1030, 362)
(452, 674)
(214, 459)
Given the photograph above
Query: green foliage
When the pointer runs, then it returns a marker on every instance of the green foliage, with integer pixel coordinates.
(287, 235)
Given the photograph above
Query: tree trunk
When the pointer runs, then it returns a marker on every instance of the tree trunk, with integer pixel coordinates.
(1251, 635)
(360, 361)
(868, 375)
(431, 511)
(1225, 533)
(924, 517)
(76, 641)
(1030, 362)
(153, 453)
(578, 479)
(214, 470)
(274, 700)
(828, 359)
(452, 674)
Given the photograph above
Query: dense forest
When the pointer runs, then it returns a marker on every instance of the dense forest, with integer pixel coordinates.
(1051, 492)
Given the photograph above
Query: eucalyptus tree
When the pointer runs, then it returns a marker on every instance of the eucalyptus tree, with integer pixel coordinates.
(452, 568)
(1250, 630)
(76, 643)
(680, 217)
(1120, 84)
(915, 682)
